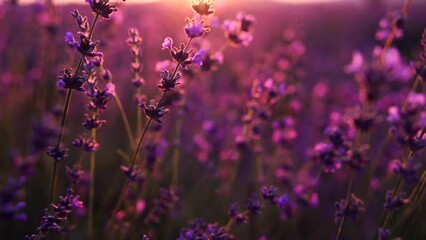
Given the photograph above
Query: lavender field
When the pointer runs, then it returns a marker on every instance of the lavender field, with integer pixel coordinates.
(213, 120)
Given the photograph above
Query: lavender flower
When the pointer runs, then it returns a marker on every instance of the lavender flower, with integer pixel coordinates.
(52, 222)
(254, 205)
(167, 83)
(195, 28)
(237, 32)
(74, 174)
(11, 207)
(153, 111)
(162, 204)
(351, 208)
(67, 79)
(394, 202)
(269, 193)
(102, 8)
(57, 153)
(202, 230)
(92, 122)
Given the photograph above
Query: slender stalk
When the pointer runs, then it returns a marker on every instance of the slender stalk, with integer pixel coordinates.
(139, 144)
(125, 120)
(160, 102)
(176, 152)
(389, 214)
(65, 114)
(116, 208)
(348, 197)
(92, 188)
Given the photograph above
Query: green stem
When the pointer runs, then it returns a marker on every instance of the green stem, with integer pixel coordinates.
(92, 189)
(125, 120)
(176, 153)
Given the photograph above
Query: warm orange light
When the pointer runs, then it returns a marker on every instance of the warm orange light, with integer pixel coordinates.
(217, 2)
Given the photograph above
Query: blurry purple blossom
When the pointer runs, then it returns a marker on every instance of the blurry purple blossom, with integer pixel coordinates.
(195, 28)
(168, 43)
(11, 208)
(74, 173)
(351, 208)
(238, 31)
(57, 153)
(394, 202)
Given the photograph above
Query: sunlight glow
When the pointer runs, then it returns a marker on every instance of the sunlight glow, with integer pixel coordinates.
(221, 2)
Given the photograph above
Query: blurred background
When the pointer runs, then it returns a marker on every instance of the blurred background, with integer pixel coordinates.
(33, 52)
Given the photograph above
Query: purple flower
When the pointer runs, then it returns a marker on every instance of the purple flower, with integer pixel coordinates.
(350, 208)
(234, 209)
(246, 21)
(52, 222)
(168, 43)
(74, 173)
(69, 38)
(87, 47)
(90, 145)
(67, 79)
(195, 28)
(238, 32)
(57, 153)
(102, 8)
(92, 122)
(79, 141)
(134, 37)
(198, 57)
(81, 20)
(393, 115)
(100, 98)
(327, 156)
(167, 83)
(10, 205)
(384, 234)
(394, 202)
(153, 111)
(254, 205)
(165, 201)
(269, 193)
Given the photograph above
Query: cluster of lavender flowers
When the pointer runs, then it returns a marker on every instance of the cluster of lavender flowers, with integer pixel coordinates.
(62, 210)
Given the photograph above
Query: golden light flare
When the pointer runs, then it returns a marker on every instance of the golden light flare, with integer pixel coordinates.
(219, 2)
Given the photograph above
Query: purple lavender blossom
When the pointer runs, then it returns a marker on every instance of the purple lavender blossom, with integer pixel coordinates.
(92, 122)
(351, 208)
(74, 174)
(57, 153)
(195, 28)
(67, 79)
(394, 202)
(52, 221)
(254, 205)
(202, 230)
(153, 111)
(102, 8)
(162, 204)
(11, 207)
(167, 83)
